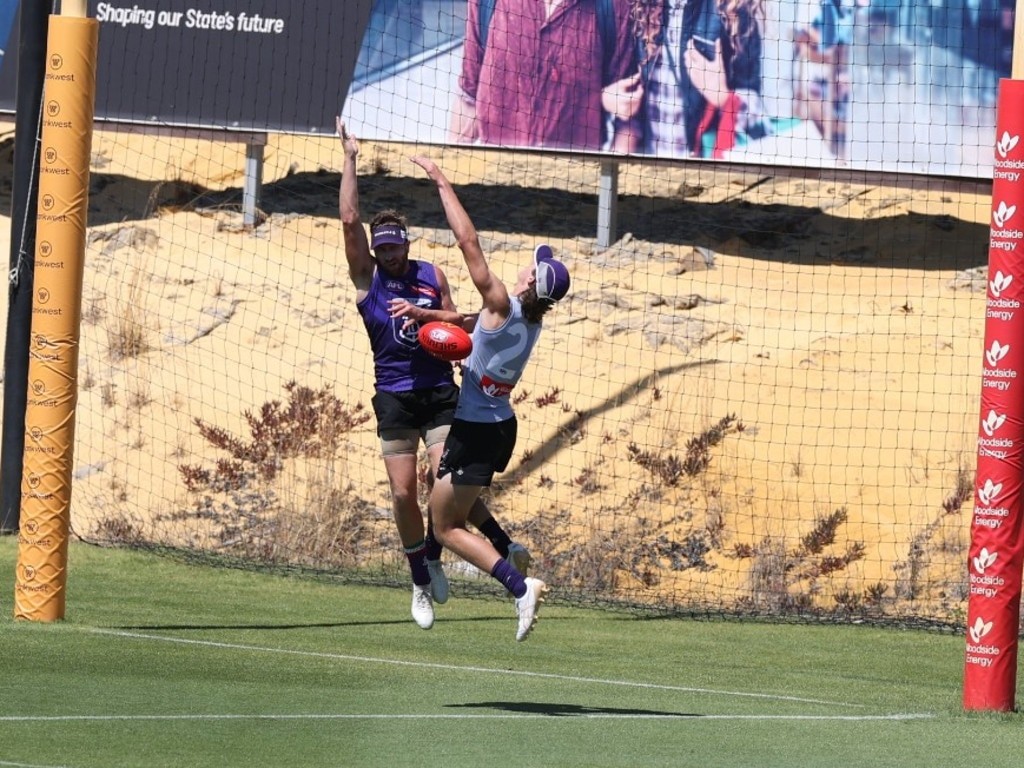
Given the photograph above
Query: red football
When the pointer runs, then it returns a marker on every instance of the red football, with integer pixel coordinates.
(446, 341)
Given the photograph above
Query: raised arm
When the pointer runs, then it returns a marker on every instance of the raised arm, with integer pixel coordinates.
(357, 247)
(493, 291)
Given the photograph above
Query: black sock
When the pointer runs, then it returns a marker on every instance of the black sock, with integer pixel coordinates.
(434, 547)
(496, 535)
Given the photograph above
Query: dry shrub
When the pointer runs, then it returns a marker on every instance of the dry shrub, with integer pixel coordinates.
(767, 580)
(275, 496)
(671, 469)
(127, 336)
(119, 529)
(788, 581)
(593, 558)
(937, 540)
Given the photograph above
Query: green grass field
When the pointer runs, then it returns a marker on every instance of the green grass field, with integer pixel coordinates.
(159, 663)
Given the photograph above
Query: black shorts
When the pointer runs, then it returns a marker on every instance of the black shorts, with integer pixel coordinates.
(475, 451)
(418, 409)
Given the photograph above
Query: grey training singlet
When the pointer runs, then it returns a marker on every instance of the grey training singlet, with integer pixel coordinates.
(494, 367)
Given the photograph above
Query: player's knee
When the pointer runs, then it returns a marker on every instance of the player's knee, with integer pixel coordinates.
(443, 534)
(404, 501)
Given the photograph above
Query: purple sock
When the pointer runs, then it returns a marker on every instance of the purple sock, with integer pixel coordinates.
(510, 577)
(418, 564)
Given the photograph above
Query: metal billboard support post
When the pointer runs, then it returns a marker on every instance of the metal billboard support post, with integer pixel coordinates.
(255, 142)
(608, 203)
(254, 146)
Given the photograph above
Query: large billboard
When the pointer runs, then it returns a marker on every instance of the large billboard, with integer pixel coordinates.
(248, 65)
(884, 85)
(902, 86)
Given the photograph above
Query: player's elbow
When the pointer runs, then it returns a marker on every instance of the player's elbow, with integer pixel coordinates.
(469, 244)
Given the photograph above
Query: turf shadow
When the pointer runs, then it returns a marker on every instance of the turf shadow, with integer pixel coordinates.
(566, 710)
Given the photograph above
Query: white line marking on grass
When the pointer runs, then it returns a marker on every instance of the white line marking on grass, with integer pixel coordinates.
(458, 668)
(584, 715)
(24, 765)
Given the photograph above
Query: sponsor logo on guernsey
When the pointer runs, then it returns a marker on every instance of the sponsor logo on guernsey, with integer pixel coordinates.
(494, 388)
(426, 290)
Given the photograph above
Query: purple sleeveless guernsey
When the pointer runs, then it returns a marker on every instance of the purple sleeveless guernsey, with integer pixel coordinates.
(400, 364)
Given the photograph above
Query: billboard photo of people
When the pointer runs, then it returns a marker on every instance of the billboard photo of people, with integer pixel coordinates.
(883, 85)
(530, 77)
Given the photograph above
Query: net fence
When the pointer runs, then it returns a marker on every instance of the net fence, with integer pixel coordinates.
(760, 400)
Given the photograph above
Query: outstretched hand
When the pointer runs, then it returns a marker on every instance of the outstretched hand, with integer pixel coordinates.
(427, 165)
(348, 141)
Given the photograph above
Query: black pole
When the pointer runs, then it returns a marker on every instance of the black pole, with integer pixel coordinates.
(32, 31)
